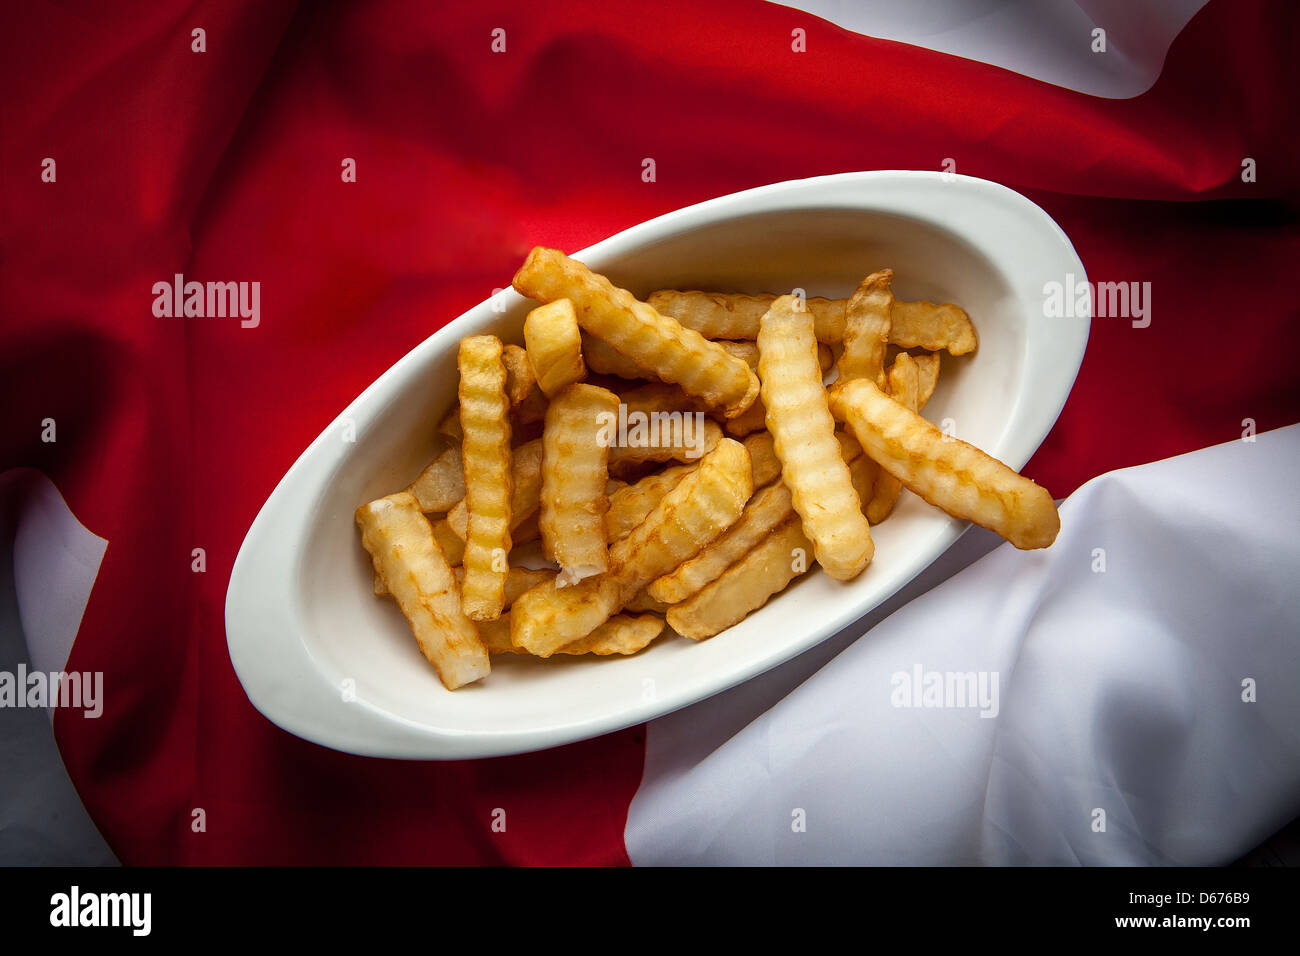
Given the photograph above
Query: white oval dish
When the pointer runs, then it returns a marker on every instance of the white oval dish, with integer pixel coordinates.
(325, 659)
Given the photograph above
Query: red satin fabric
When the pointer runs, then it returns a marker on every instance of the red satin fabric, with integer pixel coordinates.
(225, 165)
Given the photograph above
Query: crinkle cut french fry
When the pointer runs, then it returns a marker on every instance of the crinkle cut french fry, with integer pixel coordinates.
(657, 397)
(925, 325)
(749, 421)
(555, 346)
(520, 379)
(730, 315)
(825, 357)
(442, 484)
(904, 388)
(527, 402)
(657, 423)
(864, 473)
(407, 557)
(720, 315)
(754, 418)
(485, 452)
(525, 493)
(629, 505)
(452, 544)
(866, 329)
(658, 344)
(495, 635)
(575, 468)
(768, 509)
(746, 585)
(747, 350)
(622, 634)
(449, 427)
(702, 505)
(668, 436)
(762, 453)
(803, 434)
(945, 471)
(642, 601)
(518, 580)
(927, 375)
(526, 531)
(603, 359)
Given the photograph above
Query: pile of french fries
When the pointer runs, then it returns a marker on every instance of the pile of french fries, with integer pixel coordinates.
(743, 480)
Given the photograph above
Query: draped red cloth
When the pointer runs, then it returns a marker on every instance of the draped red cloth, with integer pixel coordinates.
(225, 165)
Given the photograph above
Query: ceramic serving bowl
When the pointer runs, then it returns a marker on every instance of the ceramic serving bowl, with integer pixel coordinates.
(325, 659)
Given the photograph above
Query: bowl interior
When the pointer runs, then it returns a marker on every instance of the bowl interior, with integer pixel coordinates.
(353, 635)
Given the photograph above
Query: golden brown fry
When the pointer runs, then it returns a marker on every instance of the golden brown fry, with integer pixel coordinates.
(864, 473)
(825, 357)
(555, 346)
(485, 451)
(495, 635)
(849, 447)
(945, 471)
(603, 359)
(747, 352)
(621, 634)
(629, 505)
(746, 585)
(927, 372)
(449, 427)
(667, 436)
(866, 329)
(657, 423)
(525, 495)
(749, 421)
(657, 397)
(762, 453)
(520, 380)
(526, 531)
(442, 484)
(928, 326)
(768, 508)
(718, 315)
(407, 557)
(527, 403)
(453, 546)
(702, 506)
(575, 467)
(518, 580)
(803, 434)
(659, 344)
(754, 418)
(726, 315)
(904, 388)
(642, 601)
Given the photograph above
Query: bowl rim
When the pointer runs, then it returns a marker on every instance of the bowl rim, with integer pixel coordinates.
(263, 619)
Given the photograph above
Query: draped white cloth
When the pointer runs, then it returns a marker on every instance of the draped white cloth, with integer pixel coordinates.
(1051, 40)
(1147, 706)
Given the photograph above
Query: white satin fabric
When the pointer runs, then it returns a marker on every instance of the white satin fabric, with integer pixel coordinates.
(1049, 40)
(1125, 729)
